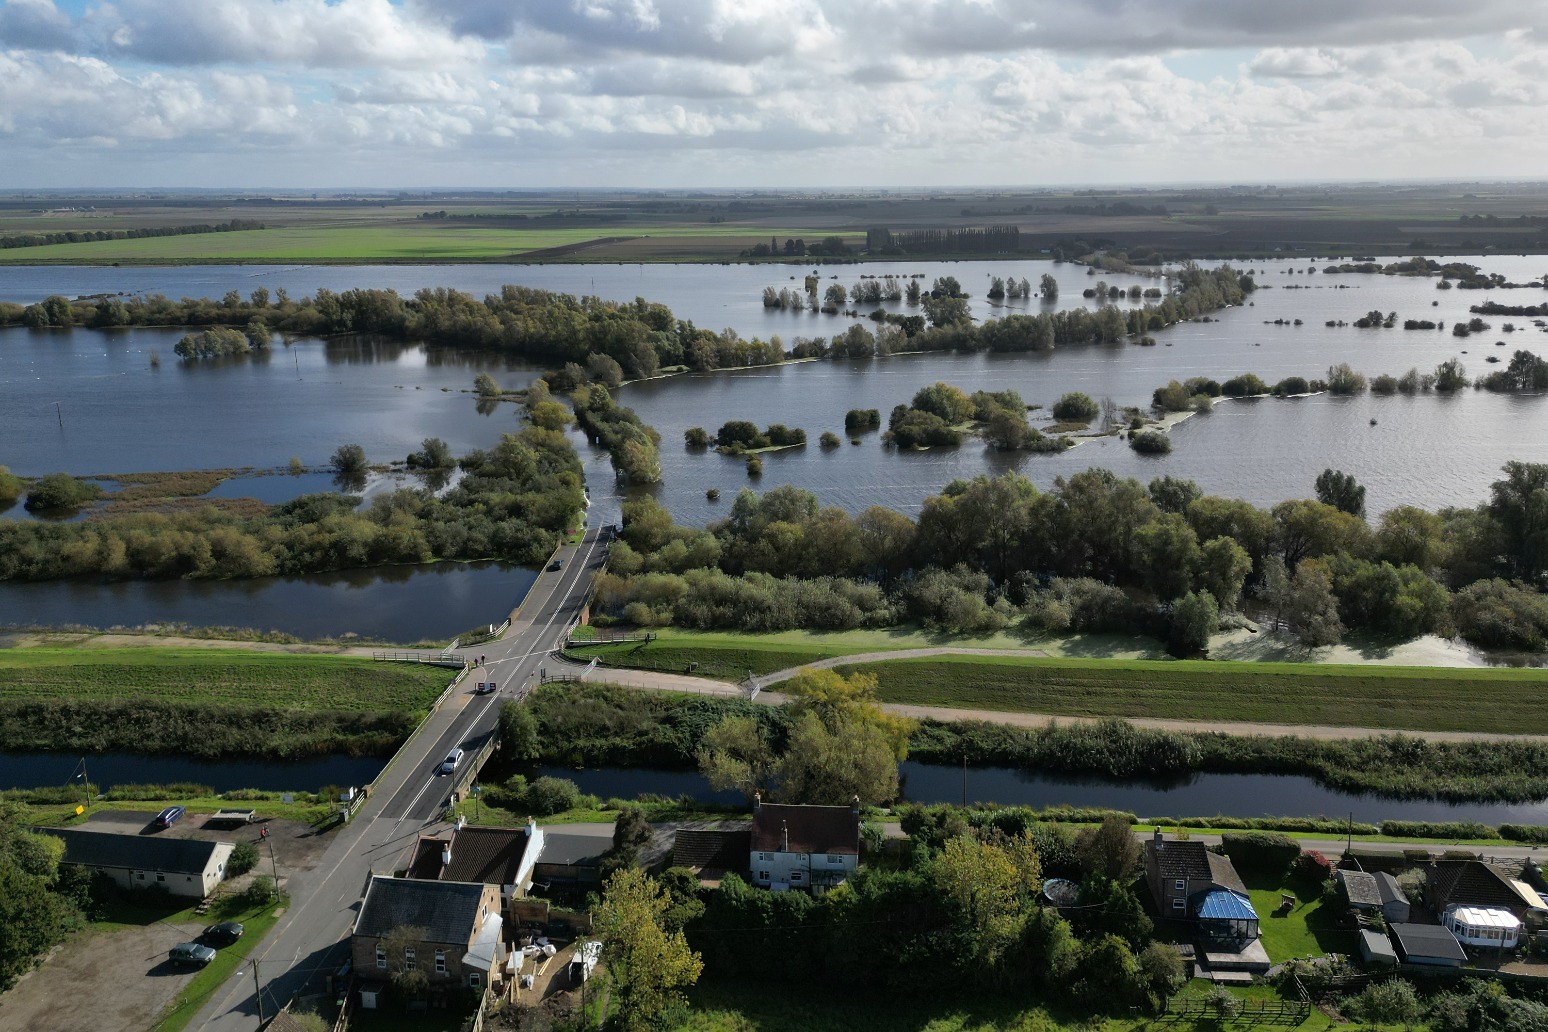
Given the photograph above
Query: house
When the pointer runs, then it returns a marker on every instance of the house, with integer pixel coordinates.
(1430, 945)
(711, 853)
(1483, 926)
(505, 857)
(798, 847)
(189, 868)
(1473, 883)
(1192, 884)
(458, 939)
(1376, 949)
(1373, 893)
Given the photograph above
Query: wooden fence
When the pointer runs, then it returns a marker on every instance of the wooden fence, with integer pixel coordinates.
(445, 659)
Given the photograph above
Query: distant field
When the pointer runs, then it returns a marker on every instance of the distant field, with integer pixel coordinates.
(221, 676)
(407, 240)
(1407, 698)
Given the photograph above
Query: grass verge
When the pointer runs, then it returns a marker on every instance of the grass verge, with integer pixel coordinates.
(258, 921)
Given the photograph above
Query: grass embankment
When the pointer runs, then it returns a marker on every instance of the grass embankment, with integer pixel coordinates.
(208, 702)
(1458, 699)
(1404, 698)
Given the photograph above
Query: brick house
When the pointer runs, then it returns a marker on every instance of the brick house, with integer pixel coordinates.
(460, 931)
(1473, 883)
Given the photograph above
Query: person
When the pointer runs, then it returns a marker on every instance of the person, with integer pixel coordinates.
(263, 833)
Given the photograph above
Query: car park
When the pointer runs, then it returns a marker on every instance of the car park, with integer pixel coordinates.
(168, 817)
(449, 765)
(225, 933)
(191, 953)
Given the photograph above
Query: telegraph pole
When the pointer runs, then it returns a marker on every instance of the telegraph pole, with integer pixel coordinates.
(258, 992)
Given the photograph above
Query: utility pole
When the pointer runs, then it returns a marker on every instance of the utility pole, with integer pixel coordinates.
(258, 992)
(59, 411)
(273, 866)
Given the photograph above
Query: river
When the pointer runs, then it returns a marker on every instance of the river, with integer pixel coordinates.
(39, 770)
(1198, 795)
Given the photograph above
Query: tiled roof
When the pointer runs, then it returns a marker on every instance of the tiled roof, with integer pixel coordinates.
(134, 852)
(1181, 860)
(447, 911)
(426, 861)
(720, 849)
(488, 855)
(1391, 891)
(1416, 940)
(810, 829)
(1223, 873)
(1472, 881)
(1361, 888)
(569, 848)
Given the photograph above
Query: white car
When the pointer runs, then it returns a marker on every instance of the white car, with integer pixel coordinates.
(449, 765)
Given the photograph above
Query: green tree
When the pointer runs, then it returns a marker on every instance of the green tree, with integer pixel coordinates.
(519, 738)
(349, 459)
(1195, 617)
(982, 887)
(1168, 552)
(406, 968)
(697, 437)
(1408, 535)
(485, 386)
(648, 966)
(1341, 491)
(60, 492)
(604, 370)
(951, 404)
(1048, 287)
(1109, 850)
(1076, 407)
(1173, 494)
(1162, 968)
(1311, 607)
(830, 766)
(550, 415)
(736, 754)
(1519, 504)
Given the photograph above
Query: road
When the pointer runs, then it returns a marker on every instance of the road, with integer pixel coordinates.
(312, 936)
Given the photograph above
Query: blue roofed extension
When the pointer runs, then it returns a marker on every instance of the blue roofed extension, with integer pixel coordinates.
(1227, 906)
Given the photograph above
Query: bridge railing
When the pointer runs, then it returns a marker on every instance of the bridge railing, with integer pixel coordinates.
(444, 659)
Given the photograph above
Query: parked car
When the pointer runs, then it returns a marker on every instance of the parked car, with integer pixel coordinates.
(190, 953)
(168, 817)
(225, 933)
(449, 764)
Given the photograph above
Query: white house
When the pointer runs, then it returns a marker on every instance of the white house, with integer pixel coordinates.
(1483, 926)
(178, 866)
(801, 847)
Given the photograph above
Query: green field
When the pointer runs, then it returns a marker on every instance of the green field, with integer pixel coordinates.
(220, 676)
(1462, 699)
(400, 241)
(1408, 698)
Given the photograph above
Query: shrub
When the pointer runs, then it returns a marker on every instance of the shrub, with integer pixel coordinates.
(258, 892)
(244, 857)
(829, 439)
(856, 420)
(1312, 866)
(1524, 833)
(10, 486)
(1393, 1002)
(1243, 386)
(754, 466)
(1437, 829)
(1291, 385)
(547, 796)
(60, 491)
(696, 437)
(1262, 852)
(1076, 407)
(1384, 384)
(1150, 442)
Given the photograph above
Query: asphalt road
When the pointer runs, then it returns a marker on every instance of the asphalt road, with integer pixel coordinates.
(312, 937)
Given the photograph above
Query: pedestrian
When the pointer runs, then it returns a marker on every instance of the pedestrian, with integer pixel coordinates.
(263, 833)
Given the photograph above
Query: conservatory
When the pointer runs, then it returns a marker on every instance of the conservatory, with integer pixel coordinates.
(1483, 926)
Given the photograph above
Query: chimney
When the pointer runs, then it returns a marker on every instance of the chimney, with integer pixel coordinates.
(784, 836)
(854, 805)
(1156, 836)
(757, 800)
(531, 826)
(446, 855)
(462, 822)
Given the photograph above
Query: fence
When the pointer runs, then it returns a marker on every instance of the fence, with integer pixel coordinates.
(476, 1022)
(1257, 1012)
(608, 637)
(445, 659)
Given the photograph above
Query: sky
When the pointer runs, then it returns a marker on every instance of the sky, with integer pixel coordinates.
(252, 94)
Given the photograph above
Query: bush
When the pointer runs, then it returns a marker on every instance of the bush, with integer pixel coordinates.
(1291, 385)
(1393, 1002)
(1076, 407)
(829, 439)
(696, 437)
(547, 796)
(61, 491)
(243, 859)
(1268, 853)
(1437, 829)
(1524, 833)
(1244, 386)
(258, 892)
(856, 420)
(1150, 442)
(754, 466)
(349, 458)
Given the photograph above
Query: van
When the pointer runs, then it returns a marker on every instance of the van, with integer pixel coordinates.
(449, 764)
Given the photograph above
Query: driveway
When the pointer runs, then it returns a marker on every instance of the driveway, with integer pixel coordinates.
(107, 981)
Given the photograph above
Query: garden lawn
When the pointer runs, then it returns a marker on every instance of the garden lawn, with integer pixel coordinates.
(1406, 698)
(221, 676)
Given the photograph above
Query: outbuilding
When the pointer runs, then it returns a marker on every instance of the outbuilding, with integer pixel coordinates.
(190, 868)
(1429, 945)
(1376, 949)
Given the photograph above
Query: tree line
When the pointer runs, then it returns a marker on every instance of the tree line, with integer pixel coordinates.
(95, 236)
(985, 240)
(513, 503)
(1096, 553)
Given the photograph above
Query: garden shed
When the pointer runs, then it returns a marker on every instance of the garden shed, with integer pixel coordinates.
(1376, 949)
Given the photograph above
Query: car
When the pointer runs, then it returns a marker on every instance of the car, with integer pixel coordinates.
(557, 564)
(190, 953)
(487, 688)
(225, 933)
(449, 764)
(168, 817)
